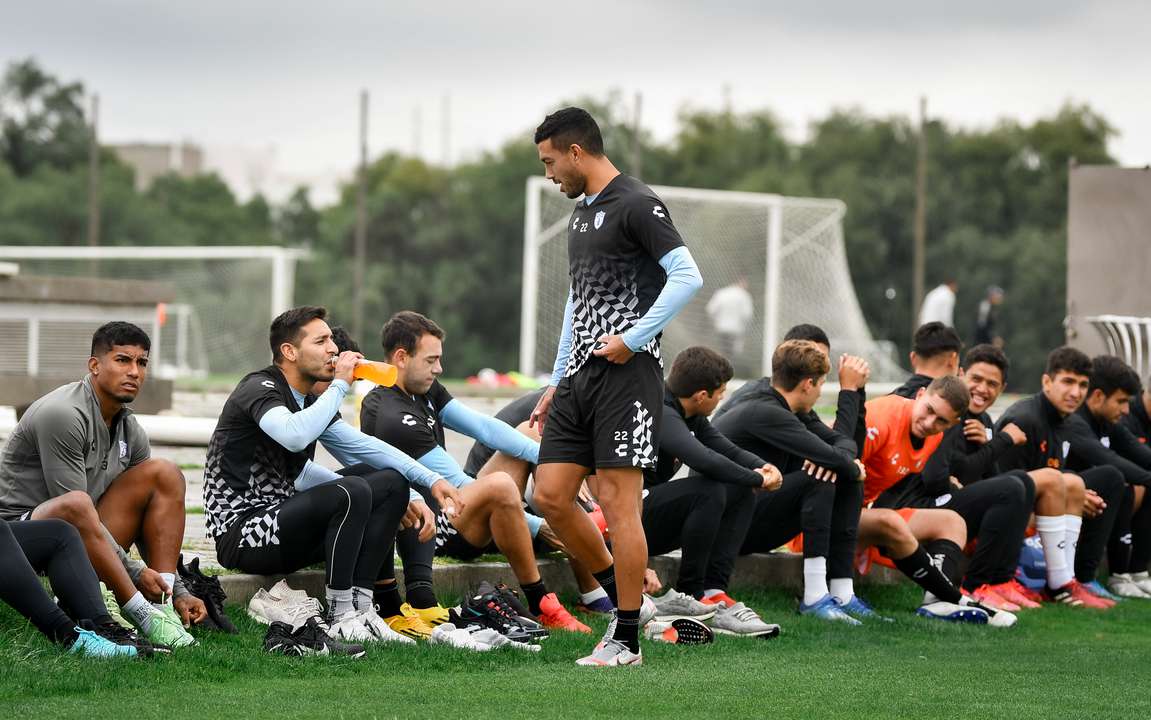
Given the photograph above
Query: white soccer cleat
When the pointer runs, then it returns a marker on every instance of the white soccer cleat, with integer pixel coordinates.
(350, 627)
(1125, 586)
(380, 628)
(1143, 580)
(266, 607)
(952, 612)
(611, 653)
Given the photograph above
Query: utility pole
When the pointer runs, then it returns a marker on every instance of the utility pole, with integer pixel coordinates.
(94, 175)
(918, 261)
(361, 246)
(636, 146)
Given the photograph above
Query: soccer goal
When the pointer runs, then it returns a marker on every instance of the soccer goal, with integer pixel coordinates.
(788, 251)
(225, 296)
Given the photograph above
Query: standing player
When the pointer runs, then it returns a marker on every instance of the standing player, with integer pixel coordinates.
(630, 274)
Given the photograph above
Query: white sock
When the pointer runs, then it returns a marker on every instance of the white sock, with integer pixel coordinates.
(1071, 525)
(929, 598)
(339, 602)
(363, 599)
(588, 598)
(712, 593)
(843, 589)
(814, 579)
(140, 611)
(169, 580)
(1051, 533)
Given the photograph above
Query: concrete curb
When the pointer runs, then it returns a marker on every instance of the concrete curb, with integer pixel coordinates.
(777, 570)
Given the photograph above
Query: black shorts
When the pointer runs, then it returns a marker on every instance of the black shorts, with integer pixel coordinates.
(606, 415)
(450, 543)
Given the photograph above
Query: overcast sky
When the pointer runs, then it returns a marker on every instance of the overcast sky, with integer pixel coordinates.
(270, 89)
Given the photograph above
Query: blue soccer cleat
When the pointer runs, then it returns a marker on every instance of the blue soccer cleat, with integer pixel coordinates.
(859, 609)
(826, 608)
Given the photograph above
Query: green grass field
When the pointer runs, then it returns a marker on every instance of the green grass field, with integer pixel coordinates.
(1057, 663)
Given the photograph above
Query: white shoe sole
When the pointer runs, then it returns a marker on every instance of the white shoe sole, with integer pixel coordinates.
(668, 617)
(769, 633)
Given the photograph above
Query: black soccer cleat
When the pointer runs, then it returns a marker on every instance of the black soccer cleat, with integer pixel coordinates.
(117, 633)
(511, 603)
(209, 590)
(487, 611)
(309, 639)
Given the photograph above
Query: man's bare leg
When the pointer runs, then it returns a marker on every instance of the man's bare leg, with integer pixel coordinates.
(78, 510)
(493, 512)
(556, 487)
(620, 493)
(901, 542)
(145, 506)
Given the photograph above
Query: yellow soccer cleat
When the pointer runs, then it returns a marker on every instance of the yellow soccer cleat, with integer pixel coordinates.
(433, 616)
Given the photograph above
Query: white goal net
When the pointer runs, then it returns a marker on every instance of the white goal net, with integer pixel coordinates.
(788, 252)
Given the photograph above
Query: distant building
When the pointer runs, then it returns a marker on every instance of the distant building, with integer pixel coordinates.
(153, 160)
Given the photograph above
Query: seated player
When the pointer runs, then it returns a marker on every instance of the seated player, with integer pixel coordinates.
(78, 455)
(934, 353)
(412, 415)
(995, 507)
(28, 547)
(1138, 423)
(821, 503)
(1091, 496)
(272, 510)
(925, 544)
(707, 513)
(1098, 439)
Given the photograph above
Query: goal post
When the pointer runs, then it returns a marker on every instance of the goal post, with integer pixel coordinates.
(788, 252)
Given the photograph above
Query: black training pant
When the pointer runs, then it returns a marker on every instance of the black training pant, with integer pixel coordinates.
(348, 524)
(996, 512)
(53, 547)
(416, 556)
(695, 514)
(1109, 484)
(826, 513)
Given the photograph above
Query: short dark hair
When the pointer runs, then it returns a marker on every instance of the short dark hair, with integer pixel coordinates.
(952, 389)
(935, 338)
(796, 360)
(571, 126)
(698, 368)
(1109, 373)
(805, 331)
(404, 330)
(343, 340)
(288, 324)
(1067, 359)
(118, 332)
(989, 354)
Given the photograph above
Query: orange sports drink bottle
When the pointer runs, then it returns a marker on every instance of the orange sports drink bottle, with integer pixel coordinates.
(381, 373)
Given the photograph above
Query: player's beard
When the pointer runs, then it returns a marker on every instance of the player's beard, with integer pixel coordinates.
(575, 186)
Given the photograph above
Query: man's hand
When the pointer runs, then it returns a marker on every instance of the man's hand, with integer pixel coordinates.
(853, 372)
(975, 432)
(819, 473)
(448, 498)
(191, 609)
(152, 585)
(551, 538)
(346, 366)
(614, 349)
(1014, 432)
(421, 517)
(862, 469)
(540, 414)
(1093, 505)
(651, 583)
(955, 482)
(772, 477)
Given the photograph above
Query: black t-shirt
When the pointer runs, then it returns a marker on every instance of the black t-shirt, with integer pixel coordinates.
(1138, 422)
(614, 248)
(1046, 444)
(245, 469)
(912, 386)
(516, 412)
(410, 423)
(692, 441)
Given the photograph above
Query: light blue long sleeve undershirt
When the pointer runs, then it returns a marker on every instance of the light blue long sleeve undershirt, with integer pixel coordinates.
(296, 430)
(489, 431)
(683, 282)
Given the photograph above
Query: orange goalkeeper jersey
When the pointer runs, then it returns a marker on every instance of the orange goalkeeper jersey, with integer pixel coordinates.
(888, 452)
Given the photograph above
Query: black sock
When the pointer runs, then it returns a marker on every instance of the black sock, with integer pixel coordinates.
(1119, 544)
(627, 629)
(606, 580)
(387, 597)
(534, 592)
(923, 572)
(421, 595)
(946, 556)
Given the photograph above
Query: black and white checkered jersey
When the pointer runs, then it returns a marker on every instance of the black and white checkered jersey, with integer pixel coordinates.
(614, 248)
(246, 469)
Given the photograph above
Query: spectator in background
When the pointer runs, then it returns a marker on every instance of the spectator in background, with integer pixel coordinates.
(731, 309)
(939, 305)
(985, 330)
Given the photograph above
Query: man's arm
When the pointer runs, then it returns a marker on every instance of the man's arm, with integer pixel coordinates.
(489, 431)
(683, 282)
(297, 430)
(1124, 442)
(780, 428)
(848, 409)
(831, 436)
(717, 441)
(559, 368)
(350, 446)
(676, 439)
(1087, 451)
